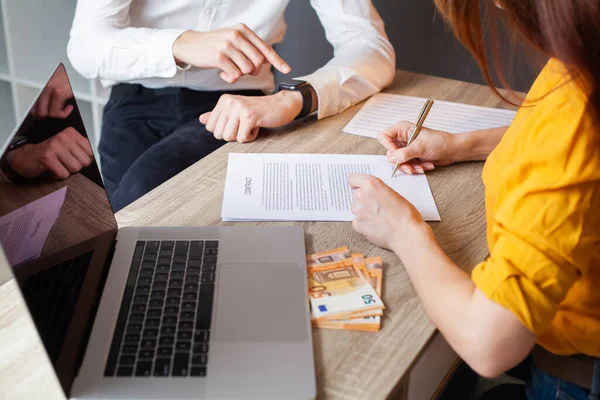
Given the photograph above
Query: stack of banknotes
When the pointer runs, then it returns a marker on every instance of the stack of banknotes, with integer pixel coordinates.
(345, 290)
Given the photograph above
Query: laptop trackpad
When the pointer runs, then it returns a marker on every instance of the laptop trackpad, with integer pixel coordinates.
(260, 303)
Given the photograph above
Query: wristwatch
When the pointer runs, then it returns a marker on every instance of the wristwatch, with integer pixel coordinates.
(309, 95)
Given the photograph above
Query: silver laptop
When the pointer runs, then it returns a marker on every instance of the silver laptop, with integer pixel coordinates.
(147, 313)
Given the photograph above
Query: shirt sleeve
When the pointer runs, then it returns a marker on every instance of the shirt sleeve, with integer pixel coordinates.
(545, 226)
(103, 45)
(364, 61)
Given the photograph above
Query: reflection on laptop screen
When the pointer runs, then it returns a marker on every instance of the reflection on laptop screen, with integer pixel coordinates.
(57, 228)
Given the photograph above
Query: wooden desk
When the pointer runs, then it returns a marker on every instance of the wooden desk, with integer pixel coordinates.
(350, 365)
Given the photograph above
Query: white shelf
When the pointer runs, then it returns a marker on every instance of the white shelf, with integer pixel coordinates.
(7, 113)
(38, 32)
(25, 96)
(3, 54)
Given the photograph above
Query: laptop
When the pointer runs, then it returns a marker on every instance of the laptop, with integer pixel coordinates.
(146, 312)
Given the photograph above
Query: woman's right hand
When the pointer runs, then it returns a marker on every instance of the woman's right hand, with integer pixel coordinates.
(430, 149)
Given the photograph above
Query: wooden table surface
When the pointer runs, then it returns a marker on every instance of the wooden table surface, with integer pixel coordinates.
(349, 365)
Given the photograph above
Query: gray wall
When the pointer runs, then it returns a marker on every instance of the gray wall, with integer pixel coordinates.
(422, 41)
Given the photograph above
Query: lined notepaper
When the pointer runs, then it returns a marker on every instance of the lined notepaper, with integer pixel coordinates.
(384, 110)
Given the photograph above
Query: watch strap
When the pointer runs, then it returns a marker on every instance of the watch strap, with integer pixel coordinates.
(309, 96)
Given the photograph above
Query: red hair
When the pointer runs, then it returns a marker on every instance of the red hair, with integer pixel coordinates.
(568, 30)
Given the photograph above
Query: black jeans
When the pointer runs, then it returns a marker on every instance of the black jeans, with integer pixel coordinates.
(150, 135)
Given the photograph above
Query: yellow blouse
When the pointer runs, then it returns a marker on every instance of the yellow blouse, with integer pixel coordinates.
(542, 194)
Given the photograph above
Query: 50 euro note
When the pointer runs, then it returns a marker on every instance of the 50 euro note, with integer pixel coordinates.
(339, 289)
(368, 323)
(342, 253)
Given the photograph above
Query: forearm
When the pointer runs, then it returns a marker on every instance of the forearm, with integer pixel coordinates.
(484, 334)
(445, 290)
(477, 145)
(127, 54)
(364, 60)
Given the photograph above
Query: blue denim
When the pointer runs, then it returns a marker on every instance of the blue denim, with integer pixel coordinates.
(542, 386)
(149, 136)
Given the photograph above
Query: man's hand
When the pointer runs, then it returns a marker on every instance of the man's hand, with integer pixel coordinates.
(236, 51)
(240, 117)
(62, 155)
(53, 99)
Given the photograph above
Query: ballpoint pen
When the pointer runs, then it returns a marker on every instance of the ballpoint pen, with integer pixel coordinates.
(417, 128)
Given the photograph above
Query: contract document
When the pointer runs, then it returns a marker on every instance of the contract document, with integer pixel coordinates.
(310, 187)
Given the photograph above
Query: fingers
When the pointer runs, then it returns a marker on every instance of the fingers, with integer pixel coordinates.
(244, 53)
(230, 129)
(81, 142)
(231, 73)
(395, 134)
(57, 107)
(84, 144)
(416, 167)
(64, 113)
(270, 55)
(205, 117)
(213, 118)
(82, 160)
(388, 140)
(240, 60)
(357, 181)
(234, 118)
(428, 166)
(63, 148)
(55, 167)
(81, 149)
(256, 71)
(220, 126)
(246, 131)
(253, 54)
(404, 154)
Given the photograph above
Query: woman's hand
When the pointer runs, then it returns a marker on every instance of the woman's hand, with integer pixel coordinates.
(381, 215)
(431, 148)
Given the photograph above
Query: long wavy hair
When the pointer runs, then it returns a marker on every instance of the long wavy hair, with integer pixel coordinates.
(568, 30)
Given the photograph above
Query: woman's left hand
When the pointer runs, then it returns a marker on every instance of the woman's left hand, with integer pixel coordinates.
(381, 214)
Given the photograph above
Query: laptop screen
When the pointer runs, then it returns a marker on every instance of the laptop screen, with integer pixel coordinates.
(57, 228)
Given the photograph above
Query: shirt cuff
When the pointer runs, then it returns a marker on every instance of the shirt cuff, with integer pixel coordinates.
(327, 86)
(161, 53)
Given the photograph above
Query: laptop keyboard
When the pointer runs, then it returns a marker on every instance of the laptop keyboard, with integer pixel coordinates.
(51, 296)
(163, 328)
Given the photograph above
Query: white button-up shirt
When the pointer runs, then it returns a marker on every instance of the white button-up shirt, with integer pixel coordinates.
(132, 41)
